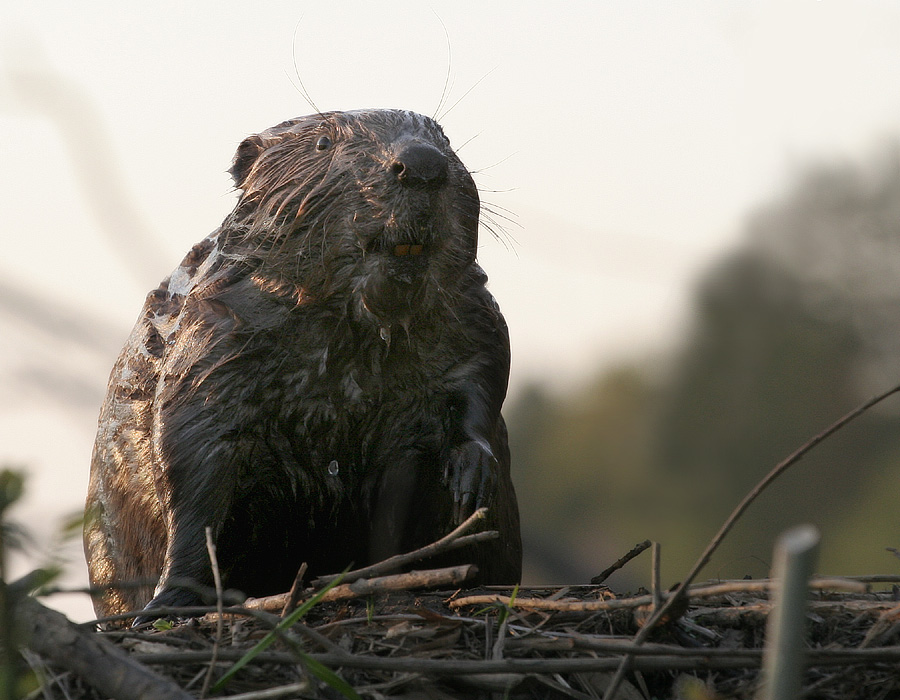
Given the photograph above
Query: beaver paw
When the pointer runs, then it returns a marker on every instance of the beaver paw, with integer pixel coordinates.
(170, 598)
(470, 475)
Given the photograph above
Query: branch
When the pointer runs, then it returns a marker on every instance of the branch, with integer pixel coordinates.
(606, 573)
(651, 657)
(704, 591)
(453, 540)
(452, 576)
(105, 667)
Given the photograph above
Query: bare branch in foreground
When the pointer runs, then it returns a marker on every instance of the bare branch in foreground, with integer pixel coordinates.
(109, 669)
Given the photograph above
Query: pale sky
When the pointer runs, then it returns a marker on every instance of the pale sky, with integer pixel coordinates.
(626, 141)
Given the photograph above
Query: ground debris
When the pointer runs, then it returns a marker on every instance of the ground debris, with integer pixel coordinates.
(553, 642)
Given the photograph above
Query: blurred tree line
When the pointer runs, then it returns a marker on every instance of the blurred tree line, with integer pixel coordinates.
(788, 333)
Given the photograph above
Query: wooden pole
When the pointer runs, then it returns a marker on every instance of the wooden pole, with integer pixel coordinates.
(785, 650)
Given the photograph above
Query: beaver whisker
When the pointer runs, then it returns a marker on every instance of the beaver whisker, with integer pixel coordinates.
(498, 231)
(501, 212)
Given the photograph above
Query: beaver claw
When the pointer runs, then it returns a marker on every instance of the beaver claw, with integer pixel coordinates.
(469, 473)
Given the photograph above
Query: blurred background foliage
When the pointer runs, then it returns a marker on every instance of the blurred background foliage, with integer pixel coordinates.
(790, 331)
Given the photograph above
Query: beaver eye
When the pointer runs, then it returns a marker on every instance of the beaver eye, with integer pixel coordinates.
(323, 143)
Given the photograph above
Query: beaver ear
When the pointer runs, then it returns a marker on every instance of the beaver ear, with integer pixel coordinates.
(246, 155)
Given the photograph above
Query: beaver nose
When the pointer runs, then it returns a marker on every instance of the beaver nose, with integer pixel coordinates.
(420, 166)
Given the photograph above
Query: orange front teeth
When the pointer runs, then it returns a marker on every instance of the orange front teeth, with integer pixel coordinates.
(404, 249)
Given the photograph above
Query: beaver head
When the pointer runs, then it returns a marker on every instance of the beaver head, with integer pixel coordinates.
(369, 208)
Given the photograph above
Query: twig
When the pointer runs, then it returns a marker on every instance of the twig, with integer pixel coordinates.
(655, 657)
(705, 591)
(450, 541)
(294, 689)
(875, 578)
(885, 627)
(777, 471)
(760, 609)
(295, 593)
(271, 622)
(429, 578)
(655, 576)
(217, 578)
(818, 583)
(606, 573)
(451, 576)
(846, 584)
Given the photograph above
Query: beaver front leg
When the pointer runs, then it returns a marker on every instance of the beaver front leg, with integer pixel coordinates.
(477, 466)
(197, 474)
(477, 474)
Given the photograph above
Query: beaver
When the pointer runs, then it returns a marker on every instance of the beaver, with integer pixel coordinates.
(319, 381)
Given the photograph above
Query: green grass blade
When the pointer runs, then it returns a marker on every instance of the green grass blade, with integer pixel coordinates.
(266, 641)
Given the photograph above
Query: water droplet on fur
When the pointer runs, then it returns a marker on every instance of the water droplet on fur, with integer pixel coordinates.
(333, 467)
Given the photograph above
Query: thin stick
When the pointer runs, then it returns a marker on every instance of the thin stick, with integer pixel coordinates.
(296, 592)
(214, 562)
(430, 578)
(777, 471)
(655, 577)
(450, 541)
(606, 573)
(295, 689)
(703, 591)
(676, 658)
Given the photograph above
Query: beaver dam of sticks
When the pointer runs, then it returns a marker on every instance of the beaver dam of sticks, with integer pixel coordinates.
(553, 642)
(398, 637)
(423, 635)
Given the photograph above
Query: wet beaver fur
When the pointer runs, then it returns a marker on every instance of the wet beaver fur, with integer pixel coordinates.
(319, 381)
